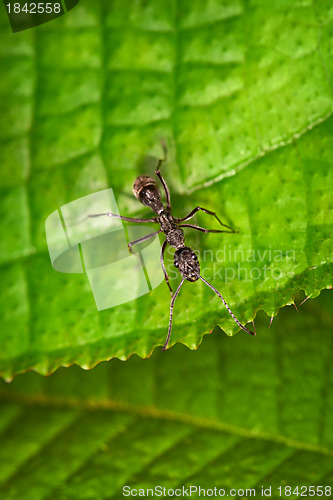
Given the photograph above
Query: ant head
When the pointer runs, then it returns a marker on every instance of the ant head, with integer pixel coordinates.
(147, 192)
(187, 263)
(144, 185)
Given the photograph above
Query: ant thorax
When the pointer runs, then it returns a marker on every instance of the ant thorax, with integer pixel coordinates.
(166, 221)
(174, 235)
(175, 238)
(186, 261)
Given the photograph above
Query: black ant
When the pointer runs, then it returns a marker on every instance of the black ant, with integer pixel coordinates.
(147, 192)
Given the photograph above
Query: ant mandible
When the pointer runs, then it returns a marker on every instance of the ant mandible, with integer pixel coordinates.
(186, 261)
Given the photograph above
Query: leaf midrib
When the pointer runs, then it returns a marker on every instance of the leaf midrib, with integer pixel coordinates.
(161, 414)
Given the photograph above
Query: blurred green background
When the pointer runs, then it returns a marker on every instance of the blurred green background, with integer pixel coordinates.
(241, 91)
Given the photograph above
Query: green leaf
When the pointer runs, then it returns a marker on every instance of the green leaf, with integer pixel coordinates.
(234, 414)
(242, 95)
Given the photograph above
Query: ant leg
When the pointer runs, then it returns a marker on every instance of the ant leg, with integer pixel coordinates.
(163, 267)
(204, 230)
(226, 305)
(171, 314)
(159, 175)
(196, 209)
(140, 240)
(127, 219)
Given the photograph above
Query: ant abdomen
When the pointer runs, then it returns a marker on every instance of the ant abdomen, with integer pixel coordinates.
(186, 261)
(147, 192)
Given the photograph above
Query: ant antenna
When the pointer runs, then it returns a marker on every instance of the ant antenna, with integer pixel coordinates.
(165, 149)
(171, 314)
(226, 305)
